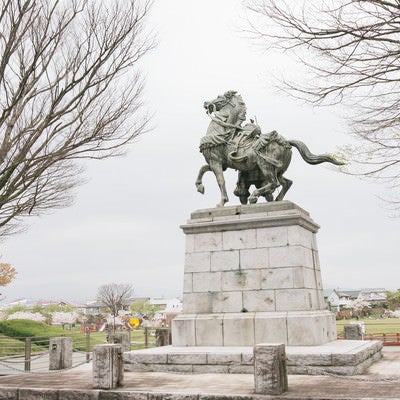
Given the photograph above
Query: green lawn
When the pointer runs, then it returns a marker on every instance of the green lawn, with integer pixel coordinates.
(14, 347)
(390, 325)
(14, 332)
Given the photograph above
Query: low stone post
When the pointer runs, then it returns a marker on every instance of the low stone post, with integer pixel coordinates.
(353, 332)
(60, 353)
(122, 338)
(270, 373)
(108, 366)
(163, 337)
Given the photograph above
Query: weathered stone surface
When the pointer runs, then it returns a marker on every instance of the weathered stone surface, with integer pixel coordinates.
(207, 281)
(254, 259)
(353, 332)
(241, 280)
(270, 328)
(108, 369)
(226, 302)
(259, 300)
(8, 393)
(197, 262)
(224, 358)
(297, 235)
(290, 256)
(272, 237)
(238, 334)
(241, 369)
(171, 396)
(37, 394)
(209, 330)
(68, 394)
(295, 300)
(310, 328)
(122, 338)
(211, 369)
(111, 395)
(270, 373)
(209, 241)
(188, 283)
(225, 260)
(183, 330)
(274, 278)
(192, 358)
(244, 239)
(60, 353)
(200, 302)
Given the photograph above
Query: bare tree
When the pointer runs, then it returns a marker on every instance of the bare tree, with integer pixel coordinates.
(351, 50)
(114, 297)
(69, 90)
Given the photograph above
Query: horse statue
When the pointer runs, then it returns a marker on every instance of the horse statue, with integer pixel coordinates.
(261, 159)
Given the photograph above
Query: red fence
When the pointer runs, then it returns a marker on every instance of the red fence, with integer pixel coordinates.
(387, 339)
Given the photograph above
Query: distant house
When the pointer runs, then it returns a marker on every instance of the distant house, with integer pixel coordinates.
(338, 299)
(374, 296)
(168, 310)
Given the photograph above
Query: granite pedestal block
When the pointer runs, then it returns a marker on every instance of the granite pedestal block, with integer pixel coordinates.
(343, 357)
(252, 275)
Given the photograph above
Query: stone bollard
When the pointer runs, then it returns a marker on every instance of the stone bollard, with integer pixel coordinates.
(60, 353)
(163, 337)
(353, 332)
(270, 374)
(108, 366)
(122, 338)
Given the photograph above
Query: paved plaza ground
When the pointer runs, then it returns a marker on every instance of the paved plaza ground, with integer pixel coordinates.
(381, 381)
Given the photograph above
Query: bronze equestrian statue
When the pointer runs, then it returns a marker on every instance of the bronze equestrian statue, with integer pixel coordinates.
(261, 159)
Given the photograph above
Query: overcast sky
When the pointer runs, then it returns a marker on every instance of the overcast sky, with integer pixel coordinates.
(124, 225)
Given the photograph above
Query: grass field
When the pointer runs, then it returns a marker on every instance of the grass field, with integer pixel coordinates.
(14, 332)
(390, 325)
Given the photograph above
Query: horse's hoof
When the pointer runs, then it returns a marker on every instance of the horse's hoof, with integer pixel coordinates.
(252, 200)
(200, 188)
(243, 200)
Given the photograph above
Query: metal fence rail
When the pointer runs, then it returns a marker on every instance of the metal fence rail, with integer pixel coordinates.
(387, 332)
(31, 354)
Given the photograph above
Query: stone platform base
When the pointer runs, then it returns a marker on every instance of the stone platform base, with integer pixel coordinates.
(343, 357)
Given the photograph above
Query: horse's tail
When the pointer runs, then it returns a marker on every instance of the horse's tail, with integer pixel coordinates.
(311, 158)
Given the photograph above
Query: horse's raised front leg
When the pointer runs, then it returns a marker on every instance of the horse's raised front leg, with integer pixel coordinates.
(219, 174)
(199, 180)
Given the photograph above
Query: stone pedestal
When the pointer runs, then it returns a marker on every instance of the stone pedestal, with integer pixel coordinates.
(60, 353)
(108, 367)
(270, 373)
(353, 332)
(252, 275)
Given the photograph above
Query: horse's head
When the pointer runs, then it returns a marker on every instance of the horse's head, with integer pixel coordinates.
(231, 100)
(218, 103)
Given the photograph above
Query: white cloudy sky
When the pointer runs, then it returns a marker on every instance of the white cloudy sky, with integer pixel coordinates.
(124, 225)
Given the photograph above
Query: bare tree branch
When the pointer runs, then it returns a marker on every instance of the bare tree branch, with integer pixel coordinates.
(114, 297)
(351, 48)
(69, 90)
